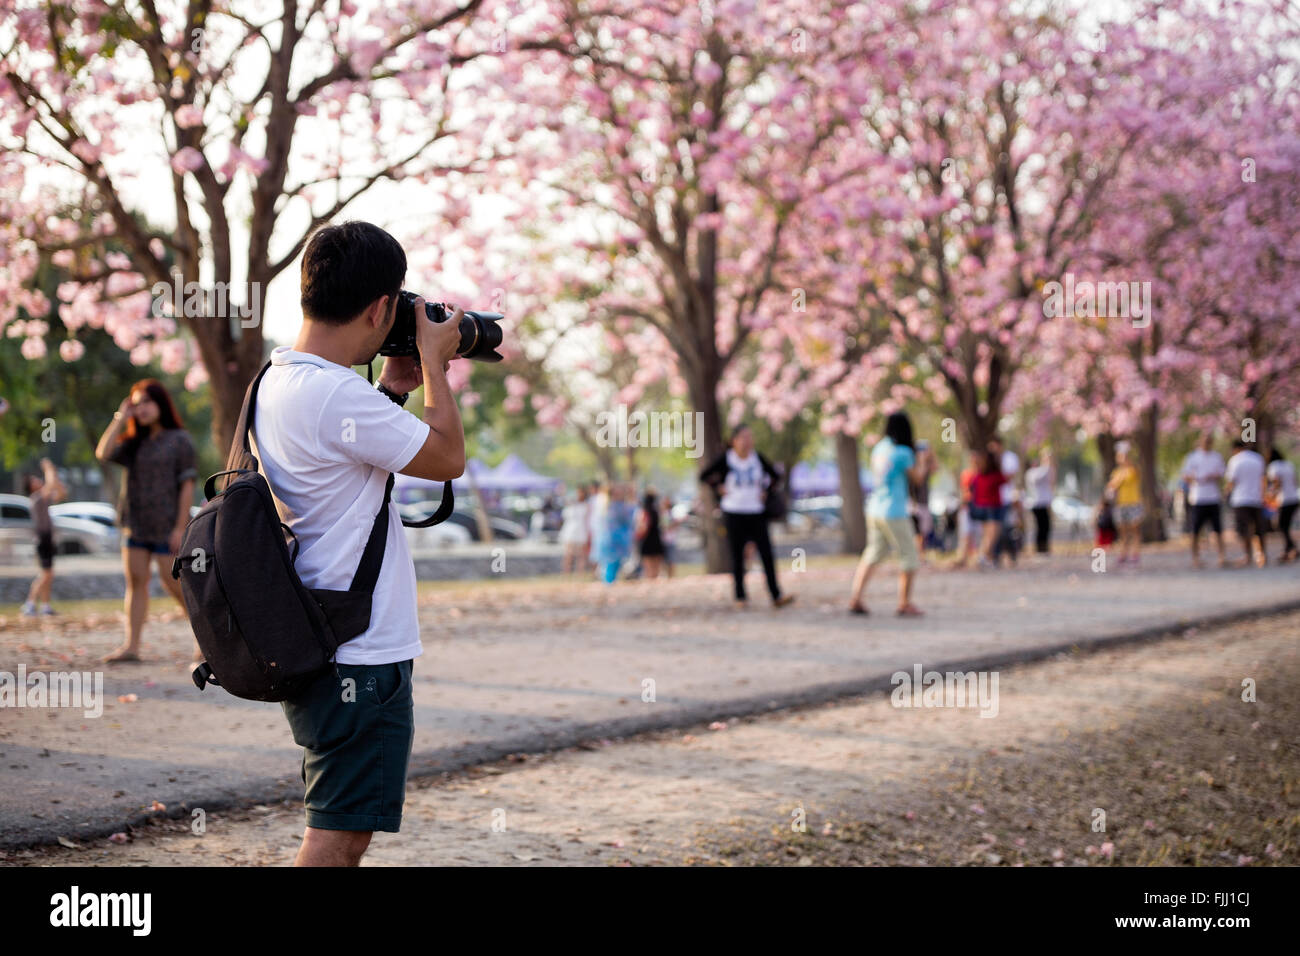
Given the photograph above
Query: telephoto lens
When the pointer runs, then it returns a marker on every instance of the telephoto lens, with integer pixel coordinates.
(480, 336)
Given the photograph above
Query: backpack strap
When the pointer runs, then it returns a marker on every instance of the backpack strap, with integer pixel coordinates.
(373, 556)
(241, 453)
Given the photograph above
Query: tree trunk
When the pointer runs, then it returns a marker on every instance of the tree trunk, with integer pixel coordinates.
(852, 519)
(480, 509)
(704, 396)
(1153, 518)
(1106, 451)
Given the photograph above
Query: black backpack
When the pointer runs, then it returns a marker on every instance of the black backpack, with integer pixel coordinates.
(264, 635)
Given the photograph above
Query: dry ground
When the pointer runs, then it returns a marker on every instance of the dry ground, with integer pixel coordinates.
(1157, 736)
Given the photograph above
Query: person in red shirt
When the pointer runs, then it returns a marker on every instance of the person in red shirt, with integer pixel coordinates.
(986, 504)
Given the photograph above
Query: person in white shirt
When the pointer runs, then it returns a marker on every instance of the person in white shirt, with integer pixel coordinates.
(573, 533)
(1245, 486)
(1282, 485)
(1203, 470)
(1040, 481)
(327, 444)
(742, 479)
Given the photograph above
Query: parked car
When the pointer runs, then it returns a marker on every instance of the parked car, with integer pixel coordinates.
(72, 534)
(823, 511)
(97, 511)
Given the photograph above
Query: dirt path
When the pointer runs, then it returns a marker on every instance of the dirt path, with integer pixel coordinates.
(1158, 737)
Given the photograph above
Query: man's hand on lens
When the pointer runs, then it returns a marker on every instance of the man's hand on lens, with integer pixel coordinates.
(437, 341)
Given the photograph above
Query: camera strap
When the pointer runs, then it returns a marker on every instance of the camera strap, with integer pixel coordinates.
(439, 516)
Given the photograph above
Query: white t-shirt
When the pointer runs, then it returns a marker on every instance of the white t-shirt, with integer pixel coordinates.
(326, 442)
(1284, 472)
(574, 528)
(1039, 482)
(743, 490)
(1245, 471)
(1204, 468)
(1010, 466)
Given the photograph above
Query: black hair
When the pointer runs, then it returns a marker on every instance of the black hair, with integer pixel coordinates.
(991, 464)
(898, 429)
(648, 502)
(1275, 454)
(347, 267)
(737, 432)
(1241, 443)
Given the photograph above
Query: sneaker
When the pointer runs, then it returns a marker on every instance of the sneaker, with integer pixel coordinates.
(48, 611)
(29, 609)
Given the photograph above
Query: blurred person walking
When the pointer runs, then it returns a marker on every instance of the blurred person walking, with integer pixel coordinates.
(1040, 484)
(896, 468)
(43, 490)
(1282, 483)
(147, 438)
(1245, 476)
(1203, 469)
(1125, 490)
(987, 509)
(742, 479)
(649, 536)
(573, 533)
(616, 532)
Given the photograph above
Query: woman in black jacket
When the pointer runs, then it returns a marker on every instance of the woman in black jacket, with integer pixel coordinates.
(743, 479)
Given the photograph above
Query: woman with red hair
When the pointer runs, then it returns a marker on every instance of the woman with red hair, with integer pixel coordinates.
(147, 438)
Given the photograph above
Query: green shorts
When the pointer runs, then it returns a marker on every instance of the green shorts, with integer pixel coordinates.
(356, 725)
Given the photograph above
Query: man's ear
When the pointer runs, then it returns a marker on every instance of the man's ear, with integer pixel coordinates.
(377, 313)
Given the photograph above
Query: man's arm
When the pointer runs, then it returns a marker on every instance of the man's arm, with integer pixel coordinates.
(442, 456)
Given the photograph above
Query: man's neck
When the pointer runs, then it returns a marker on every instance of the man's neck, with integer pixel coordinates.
(332, 343)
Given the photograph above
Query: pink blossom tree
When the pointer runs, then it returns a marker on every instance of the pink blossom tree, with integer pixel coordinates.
(208, 140)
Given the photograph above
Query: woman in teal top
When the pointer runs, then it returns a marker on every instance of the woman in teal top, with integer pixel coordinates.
(896, 466)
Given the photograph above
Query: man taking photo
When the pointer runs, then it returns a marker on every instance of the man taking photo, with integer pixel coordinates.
(327, 442)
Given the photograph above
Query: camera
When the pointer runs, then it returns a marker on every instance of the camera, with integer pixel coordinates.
(480, 336)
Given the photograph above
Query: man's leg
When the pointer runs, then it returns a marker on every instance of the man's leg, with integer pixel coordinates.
(356, 725)
(1261, 532)
(332, 847)
(1241, 521)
